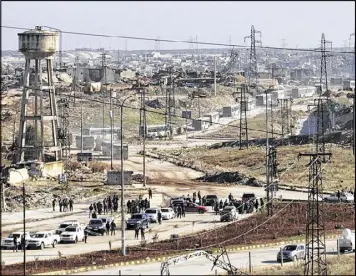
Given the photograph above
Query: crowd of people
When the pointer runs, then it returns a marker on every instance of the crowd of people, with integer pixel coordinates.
(65, 204)
(108, 205)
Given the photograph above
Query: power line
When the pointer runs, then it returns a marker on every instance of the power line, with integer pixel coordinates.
(187, 41)
(161, 113)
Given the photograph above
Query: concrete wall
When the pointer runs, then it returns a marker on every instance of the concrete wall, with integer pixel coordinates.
(15, 176)
(114, 177)
(52, 169)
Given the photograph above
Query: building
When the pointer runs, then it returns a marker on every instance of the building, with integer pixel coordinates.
(231, 111)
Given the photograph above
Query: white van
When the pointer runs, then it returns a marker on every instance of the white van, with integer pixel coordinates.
(347, 241)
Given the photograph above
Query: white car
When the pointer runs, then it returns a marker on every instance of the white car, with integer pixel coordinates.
(344, 197)
(167, 213)
(152, 214)
(73, 234)
(65, 224)
(43, 239)
(347, 241)
(8, 242)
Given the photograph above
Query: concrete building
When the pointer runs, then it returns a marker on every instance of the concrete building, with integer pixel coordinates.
(114, 178)
(231, 111)
(200, 124)
(213, 117)
(106, 148)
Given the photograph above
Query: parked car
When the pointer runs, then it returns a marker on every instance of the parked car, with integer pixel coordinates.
(42, 239)
(347, 241)
(167, 213)
(210, 200)
(292, 252)
(344, 197)
(96, 226)
(8, 243)
(65, 224)
(152, 214)
(229, 213)
(194, 208)
(73, 234)
(140, 218)
(248, 197)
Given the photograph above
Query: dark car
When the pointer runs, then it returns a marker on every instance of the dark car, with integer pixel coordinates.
(96, 226)
(210, 200)
(248, 197)
(138, 218)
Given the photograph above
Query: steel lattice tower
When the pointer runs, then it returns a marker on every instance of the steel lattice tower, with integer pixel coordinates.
(286, 113)
(243, 134)
(323, 64)
(63, 132)
(272, 174)
(253, 69)
(315, 261)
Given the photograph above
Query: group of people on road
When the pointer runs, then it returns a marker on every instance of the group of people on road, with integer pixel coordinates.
(110, 228)
(243, 207)
(108, 204)
(17, 244)
(137, 205)
(139, 228)
(65, 204)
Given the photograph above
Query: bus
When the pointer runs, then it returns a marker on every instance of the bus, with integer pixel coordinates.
(155, 131)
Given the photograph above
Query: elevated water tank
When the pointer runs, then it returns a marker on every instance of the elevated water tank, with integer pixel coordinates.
(38, 44)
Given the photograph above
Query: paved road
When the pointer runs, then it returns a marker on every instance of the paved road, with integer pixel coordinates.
(202, 266)
(185, 226)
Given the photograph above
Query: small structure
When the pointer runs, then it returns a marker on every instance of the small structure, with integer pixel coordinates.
(187, 114)
(213, 117)
(88, 142)
(114, 178)
(200, 124)
(106, 148)
(231, 111)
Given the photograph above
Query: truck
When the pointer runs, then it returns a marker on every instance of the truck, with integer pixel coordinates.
(73, 233)
(8, 243)
(43, 239)
(346, 241)
(65, 224)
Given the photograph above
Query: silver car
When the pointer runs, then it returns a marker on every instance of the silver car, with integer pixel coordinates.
(292, 252)
(344, 197)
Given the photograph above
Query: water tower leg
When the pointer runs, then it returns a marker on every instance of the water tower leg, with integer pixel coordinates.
(24, 102)
(36, 108)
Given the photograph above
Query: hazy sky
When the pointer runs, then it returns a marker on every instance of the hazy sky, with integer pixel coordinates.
(299, 23)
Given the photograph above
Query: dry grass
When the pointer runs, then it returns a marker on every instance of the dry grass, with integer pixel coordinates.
(343, 265)
(340, 173)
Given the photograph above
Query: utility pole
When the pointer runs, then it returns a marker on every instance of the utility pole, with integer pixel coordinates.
(243, 134)
(215, 76)
(103, 66)
(111, 132)
(323, 65)
(271, 187)
(144, 136)
(315, 260)
(63, 134)
(253, 69)
(286, 113)
(81, 128)
(76, 73)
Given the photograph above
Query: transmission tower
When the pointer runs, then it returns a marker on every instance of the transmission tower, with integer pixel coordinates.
(271, 186)
(253, 69)
(243, 134)
(63, 133)
(286, 113)
(315, 261)
(103, 92)
(75, 82)
(323, 65)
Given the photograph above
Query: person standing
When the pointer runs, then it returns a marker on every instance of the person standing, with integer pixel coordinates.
(183, 211)
(15, 244)
(54, 204)
(137, 230)
(159, 217)
(179, 212)
(112, 228)
(90, 209)
(85, 236)
(142, 233)
(71, 205)
(107, 226)
(149, 193)
(338, 195)
(60, 205)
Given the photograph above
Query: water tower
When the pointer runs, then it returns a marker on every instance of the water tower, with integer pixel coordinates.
(38, 105)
